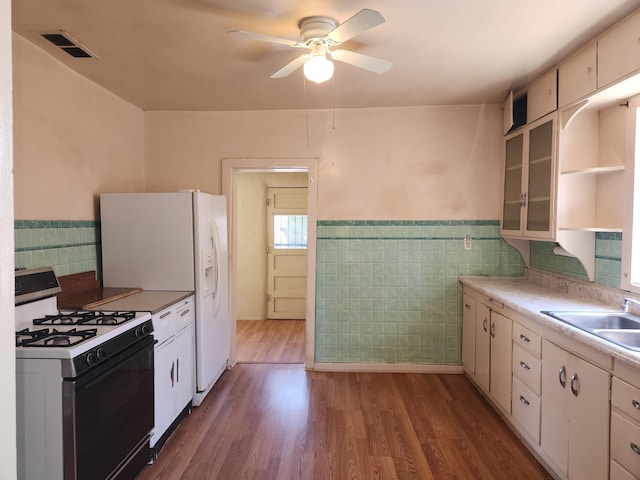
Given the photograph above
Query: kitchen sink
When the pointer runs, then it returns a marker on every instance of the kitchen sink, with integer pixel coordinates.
(618, 327)
(626, 338)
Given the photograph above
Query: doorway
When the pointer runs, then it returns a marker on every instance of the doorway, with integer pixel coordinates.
(233, 171)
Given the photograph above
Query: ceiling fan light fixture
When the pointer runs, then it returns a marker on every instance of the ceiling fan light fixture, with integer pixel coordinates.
(318, 69)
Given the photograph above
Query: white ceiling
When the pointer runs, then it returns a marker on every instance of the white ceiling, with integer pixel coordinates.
(177, 54)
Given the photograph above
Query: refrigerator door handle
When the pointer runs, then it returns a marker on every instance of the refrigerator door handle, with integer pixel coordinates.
(215, 243)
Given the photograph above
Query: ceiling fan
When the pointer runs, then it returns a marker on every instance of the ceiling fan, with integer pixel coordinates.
(320, 34)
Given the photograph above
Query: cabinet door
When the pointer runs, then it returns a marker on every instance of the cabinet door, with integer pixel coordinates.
(164, 381)
(483, 346)
(541, 167)
(589, 412)
(501, 348)
(513, 173)
(184, 368)
(541, 96)
(577, 76)
(619, 51)
(554, 426)
(469, 334)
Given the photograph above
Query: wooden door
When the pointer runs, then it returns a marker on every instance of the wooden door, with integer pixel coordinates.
(287, 253)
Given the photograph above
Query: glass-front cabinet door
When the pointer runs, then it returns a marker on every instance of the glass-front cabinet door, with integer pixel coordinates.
(528, 200)
(513, 171)
(540, 187)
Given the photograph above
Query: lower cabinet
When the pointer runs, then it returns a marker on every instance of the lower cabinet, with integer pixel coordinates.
(625, 430)
(174, 367)
(575, 414)
(486, 348)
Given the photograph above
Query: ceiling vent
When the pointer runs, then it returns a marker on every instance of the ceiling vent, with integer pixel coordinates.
(66, 42)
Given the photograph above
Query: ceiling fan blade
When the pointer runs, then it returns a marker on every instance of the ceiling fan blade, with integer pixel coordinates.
(291, 67)
(267, 38)
(372, 64)
(359, 23)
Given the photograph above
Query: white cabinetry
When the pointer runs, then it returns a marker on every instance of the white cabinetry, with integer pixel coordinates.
(174, 365)
(542, 95)
(486, 340)
(625, 429)
(619, 51)
(527, 372)
(577, 75)
(575, 414)
(530, 159)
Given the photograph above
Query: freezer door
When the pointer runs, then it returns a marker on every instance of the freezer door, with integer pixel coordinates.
(147, 240)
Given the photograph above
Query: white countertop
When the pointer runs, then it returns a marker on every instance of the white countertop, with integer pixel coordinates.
(145, 301)
(529, 299)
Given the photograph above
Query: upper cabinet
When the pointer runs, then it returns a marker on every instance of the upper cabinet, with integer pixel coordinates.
(542, 96)
(619, 51)
(529, 180)
(577, 75)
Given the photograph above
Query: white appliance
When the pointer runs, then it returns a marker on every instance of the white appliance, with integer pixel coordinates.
(174, 241)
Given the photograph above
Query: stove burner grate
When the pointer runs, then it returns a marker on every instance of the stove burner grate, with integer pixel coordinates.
(50, 337)
(86, 318)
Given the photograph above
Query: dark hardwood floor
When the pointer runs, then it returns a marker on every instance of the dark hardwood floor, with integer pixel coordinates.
(277, 421)
(270, 341)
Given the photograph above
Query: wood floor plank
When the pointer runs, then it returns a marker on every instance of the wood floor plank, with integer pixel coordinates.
(270, 341)
(280, 422)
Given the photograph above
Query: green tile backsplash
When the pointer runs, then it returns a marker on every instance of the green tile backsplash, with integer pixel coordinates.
(388, 291)
(69, 246)
(608, 258)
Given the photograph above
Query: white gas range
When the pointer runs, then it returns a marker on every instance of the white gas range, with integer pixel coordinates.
(84, 387)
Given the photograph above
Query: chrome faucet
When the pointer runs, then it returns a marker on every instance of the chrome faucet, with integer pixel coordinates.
(625, 304)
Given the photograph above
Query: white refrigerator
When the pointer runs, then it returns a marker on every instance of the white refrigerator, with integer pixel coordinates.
(174, 241)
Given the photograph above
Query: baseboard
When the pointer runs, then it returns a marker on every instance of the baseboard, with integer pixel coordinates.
(387, 368)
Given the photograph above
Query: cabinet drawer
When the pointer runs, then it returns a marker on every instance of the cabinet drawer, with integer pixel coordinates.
(625, 443)
(527, 340)
(164, 324)
(577, 76)
(619, 473)
(626, 398)
(185, 315)
(525, 408)
(527, 368)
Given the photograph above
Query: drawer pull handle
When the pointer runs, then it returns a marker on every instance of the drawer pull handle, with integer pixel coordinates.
(185, 312)
(466, 305)
(574, 381)
(165, 314)
(493, 330)
(524, 339)
(635, 404)
(562, 376)
(635, 448)
(524, 400)
(484, 324)
(524, 365)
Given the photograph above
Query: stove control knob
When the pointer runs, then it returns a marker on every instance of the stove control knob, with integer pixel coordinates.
(100, 353)
(145, 329)
(91, 358)
(138, 332)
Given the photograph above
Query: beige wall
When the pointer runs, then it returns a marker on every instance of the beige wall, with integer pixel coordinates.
(72, 139)
(7, 349)
(251, 279)
(439, 162)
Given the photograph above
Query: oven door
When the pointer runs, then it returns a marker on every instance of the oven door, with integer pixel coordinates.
(108, 416)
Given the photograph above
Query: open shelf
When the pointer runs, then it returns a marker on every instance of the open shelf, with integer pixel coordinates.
(594, 170)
